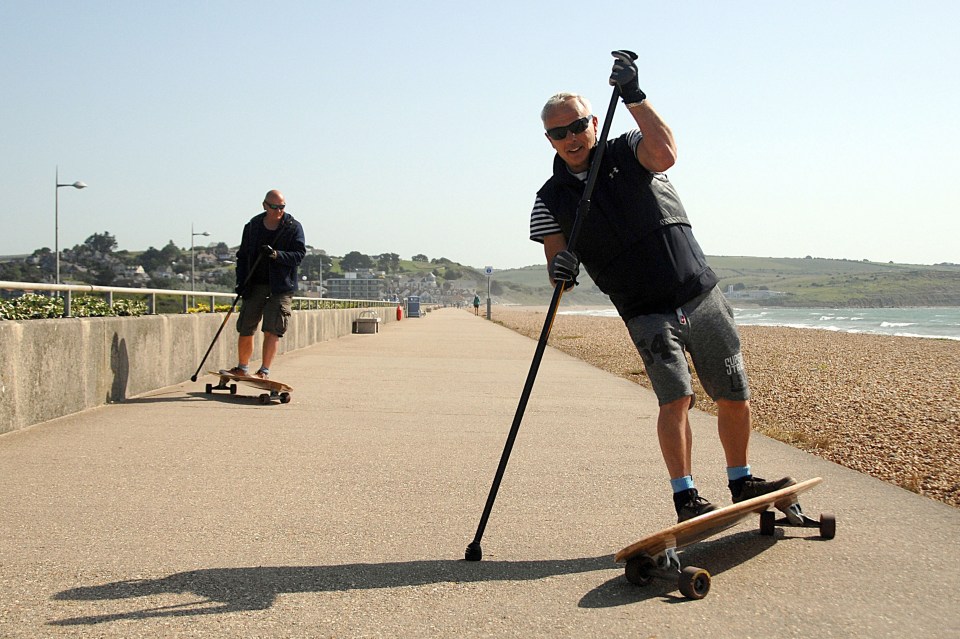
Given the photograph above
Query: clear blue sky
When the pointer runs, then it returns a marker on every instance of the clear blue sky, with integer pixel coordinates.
(807, 128)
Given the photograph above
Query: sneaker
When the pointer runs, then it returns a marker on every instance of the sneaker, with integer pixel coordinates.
(690, 504)
(750, 487)
(262, 374)
(236, 370)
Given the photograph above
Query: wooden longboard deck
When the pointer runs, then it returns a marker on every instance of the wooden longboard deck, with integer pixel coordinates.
(699, 528)
(256, 382)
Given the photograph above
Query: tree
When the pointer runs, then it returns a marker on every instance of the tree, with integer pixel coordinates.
(104, 276)
(103, 244)
(387, 262)
(152, 260)
(19, 271)
(420, 257)
(355, 260)
(314, 266)
(171, 253)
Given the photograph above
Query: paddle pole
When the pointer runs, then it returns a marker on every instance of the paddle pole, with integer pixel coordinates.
(474, 551)
(256, 262)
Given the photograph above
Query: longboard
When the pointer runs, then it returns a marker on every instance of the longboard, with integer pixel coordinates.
(277, 390)
(656, 555)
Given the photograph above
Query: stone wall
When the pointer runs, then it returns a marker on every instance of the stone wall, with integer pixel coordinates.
(51, 368)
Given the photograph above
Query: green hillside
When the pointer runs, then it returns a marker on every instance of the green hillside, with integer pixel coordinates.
(799, 282)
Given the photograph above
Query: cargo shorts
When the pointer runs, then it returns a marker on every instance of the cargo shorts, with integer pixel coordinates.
(259, 303)
(704, 327)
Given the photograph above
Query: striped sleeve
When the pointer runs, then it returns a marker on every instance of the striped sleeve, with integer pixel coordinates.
(542, 222)
(633, 139)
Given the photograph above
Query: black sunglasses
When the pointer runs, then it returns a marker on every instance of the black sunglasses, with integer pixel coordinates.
(276, 207)
(577, 126)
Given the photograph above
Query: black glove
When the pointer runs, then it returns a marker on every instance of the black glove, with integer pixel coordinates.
(268, 251)
(565, 267)
(624, 76)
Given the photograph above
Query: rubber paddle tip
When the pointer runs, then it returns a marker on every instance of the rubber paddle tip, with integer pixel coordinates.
(193, 378)
(474, 552)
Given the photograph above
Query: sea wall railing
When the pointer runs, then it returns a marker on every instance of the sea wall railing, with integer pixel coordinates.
(209, 297)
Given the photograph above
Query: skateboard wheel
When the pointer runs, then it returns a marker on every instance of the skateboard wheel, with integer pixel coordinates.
(694, 582)
(828, 525)
(233, 389)
(768, 522)
(284, 398)
(638, 570)
(209, 388)
(264, 399)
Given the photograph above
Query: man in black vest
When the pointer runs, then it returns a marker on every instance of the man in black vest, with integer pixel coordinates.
(638, 247)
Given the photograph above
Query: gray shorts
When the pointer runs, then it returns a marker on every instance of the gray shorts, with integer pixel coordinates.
(705, 328)
(259, 303)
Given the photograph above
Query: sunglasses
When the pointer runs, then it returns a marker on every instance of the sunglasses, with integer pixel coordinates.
(577, 126)
(276, 207)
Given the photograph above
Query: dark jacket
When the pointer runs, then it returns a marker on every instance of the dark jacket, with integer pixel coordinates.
(636, 242)
(289, 244)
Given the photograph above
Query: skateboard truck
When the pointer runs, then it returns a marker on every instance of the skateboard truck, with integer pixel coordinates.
(222, 386)
(693, 582)
(795, 517)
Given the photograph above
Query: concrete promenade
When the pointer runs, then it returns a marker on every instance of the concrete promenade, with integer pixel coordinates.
(345, 513)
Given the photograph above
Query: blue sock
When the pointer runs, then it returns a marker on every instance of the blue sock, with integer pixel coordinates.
(682, 483)
(244, 368)
(738, 472)
(264, 370)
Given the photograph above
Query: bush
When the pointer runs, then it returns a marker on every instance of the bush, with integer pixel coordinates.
(205, 308)
(33, 306)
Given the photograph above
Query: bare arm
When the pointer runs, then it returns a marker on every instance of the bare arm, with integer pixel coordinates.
(657, 151)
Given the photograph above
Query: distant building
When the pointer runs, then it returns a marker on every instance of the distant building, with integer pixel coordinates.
(352, 287)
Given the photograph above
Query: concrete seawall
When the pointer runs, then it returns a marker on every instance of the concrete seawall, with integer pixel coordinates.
(51, 368)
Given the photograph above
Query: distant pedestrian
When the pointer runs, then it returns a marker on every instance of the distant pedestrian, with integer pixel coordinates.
(476, 304)
(273, 245)
(639, 249)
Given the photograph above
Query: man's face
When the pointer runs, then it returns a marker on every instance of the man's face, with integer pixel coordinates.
(574, 149)
(274, 205)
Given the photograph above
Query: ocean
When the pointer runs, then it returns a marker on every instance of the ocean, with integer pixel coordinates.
(941, 322)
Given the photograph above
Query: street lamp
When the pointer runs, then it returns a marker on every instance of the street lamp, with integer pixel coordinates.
(193, 235)
(56, 216)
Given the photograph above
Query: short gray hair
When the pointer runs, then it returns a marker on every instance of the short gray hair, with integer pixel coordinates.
(558, 99)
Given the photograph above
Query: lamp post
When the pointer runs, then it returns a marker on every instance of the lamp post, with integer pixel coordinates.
(56, 216)
(193, 235)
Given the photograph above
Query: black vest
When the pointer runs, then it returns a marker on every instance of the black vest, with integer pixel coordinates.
(628, 202)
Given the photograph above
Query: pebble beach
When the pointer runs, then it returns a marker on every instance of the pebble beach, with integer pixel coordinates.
(885, 406)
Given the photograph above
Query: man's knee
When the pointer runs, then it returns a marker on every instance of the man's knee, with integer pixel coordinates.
(678, 406)
(734, 406)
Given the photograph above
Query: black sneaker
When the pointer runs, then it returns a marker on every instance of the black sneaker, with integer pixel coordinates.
(749, 487)
(690, 504)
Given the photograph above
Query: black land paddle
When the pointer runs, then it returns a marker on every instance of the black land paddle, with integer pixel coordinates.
(474, 551)
(253, 268)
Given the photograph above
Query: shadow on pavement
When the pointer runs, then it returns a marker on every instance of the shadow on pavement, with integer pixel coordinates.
(235, 589)
(716, 557)
(223, 398)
